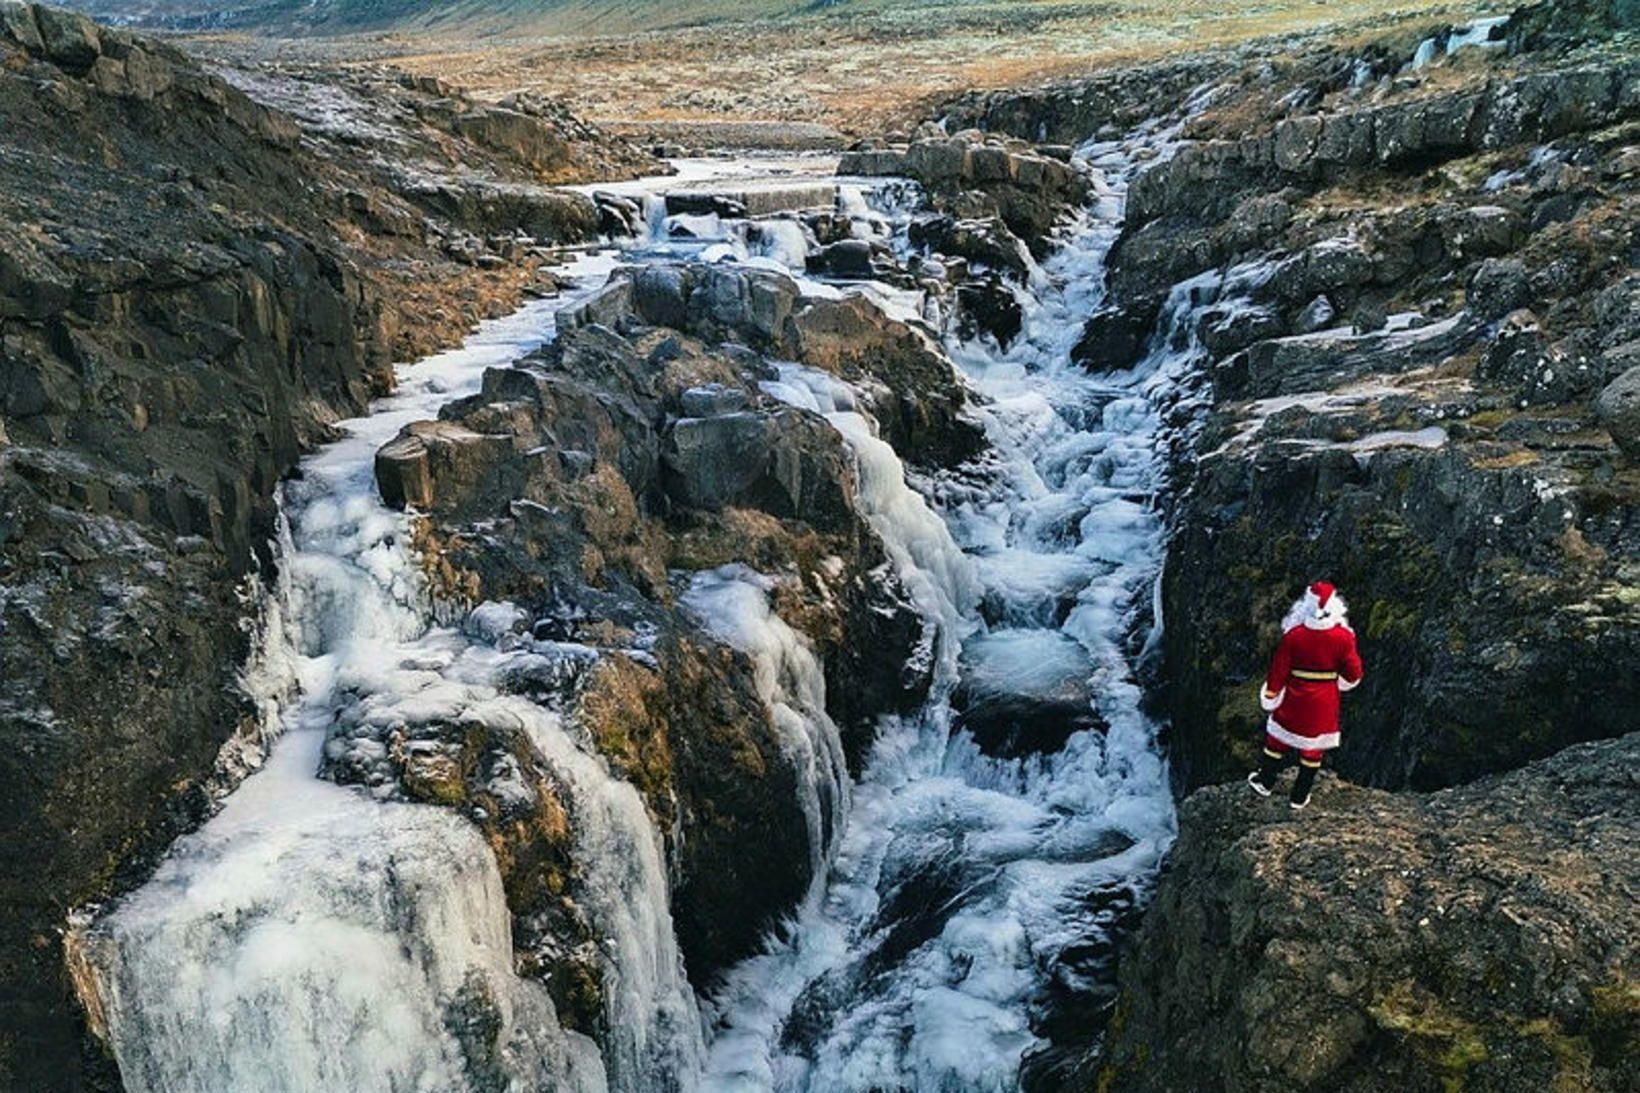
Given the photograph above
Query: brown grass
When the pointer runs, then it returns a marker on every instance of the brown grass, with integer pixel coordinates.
(861, 70)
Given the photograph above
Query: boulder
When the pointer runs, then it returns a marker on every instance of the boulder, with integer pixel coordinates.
(688, 203)
(1116, 335)
(939, 161)
(993, 164)
(1499, 286)
(985, 242)
(618, 216)
(712, 400)
(70, 40)
(988, 306)
(660, 295)
(1522, 358)
(1618, 411)
(1318, 314)
(850, 258)
(1227, 329)
(788, 463)
(447, 468)
(18, 24)
(1480, 231)
(918, 400)
(1012, 712)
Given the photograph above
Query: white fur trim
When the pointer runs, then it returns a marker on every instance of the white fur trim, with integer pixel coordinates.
(1348, 684)
(1302, 743)
(1270, 704)
(1307, 611)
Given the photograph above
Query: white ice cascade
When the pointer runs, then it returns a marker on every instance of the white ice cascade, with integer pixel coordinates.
(311, 938)
(969, 888)
(733, 602)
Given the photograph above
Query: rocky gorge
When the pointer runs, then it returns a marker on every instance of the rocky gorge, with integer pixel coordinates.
(768, 659)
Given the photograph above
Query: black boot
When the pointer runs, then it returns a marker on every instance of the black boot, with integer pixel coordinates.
(1303, 784)
(1263, 780)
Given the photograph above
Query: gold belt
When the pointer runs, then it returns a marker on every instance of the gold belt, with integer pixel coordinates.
(1314, 677)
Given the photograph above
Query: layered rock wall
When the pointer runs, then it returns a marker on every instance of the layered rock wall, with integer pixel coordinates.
(1406, 399)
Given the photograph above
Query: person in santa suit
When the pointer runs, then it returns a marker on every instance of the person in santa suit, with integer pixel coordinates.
(1315, 661)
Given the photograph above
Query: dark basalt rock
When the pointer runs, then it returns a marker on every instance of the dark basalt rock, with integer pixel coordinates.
(786, 463)
(987, 306)
(1012, 725)
(845, 258)
(680, 463)
(1117, 335)
(987, 243)
(971, 175)
(1618, 409)
(1472, 938)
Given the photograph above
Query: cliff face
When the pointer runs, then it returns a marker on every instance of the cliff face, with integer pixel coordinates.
(1481, 937)
(1422, 290)
(1415, 297)
(190, 291)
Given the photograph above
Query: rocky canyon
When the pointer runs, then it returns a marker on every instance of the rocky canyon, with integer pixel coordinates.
(571, 546)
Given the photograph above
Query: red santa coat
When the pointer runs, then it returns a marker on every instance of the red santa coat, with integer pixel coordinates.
(1315, 661)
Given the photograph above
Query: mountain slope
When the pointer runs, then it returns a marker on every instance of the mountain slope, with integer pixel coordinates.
(341, 16)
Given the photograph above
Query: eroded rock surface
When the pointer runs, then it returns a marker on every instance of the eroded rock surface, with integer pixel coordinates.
(1480, 937)
(1412, 288)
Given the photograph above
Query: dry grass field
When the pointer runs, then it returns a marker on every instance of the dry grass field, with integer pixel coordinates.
(757, 70)
(864, 66)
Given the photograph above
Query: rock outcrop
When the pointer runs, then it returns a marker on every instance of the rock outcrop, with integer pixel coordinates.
(191, 293)
(1481, 937)
(600, 473)
(1031, 189)
(913, 394)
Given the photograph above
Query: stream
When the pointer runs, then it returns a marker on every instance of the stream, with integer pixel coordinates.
(312, 937)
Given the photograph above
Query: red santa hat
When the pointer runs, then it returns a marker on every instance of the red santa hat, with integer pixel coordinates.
(1320, 608)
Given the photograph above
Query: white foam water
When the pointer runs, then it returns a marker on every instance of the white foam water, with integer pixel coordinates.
(733, 602)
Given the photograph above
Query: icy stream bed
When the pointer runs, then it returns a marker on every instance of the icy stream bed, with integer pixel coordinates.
(971, 892)
(311, 937)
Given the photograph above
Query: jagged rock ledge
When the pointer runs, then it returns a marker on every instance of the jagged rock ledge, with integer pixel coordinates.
(1481, 937)
(585, 485)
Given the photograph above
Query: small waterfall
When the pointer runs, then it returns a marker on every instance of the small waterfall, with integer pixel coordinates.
(734, 604)
(311, 937)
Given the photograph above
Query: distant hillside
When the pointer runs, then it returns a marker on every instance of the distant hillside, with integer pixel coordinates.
(542, 16)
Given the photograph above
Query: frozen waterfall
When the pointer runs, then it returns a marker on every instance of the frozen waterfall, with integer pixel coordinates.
(968, 888)
(310, 938)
